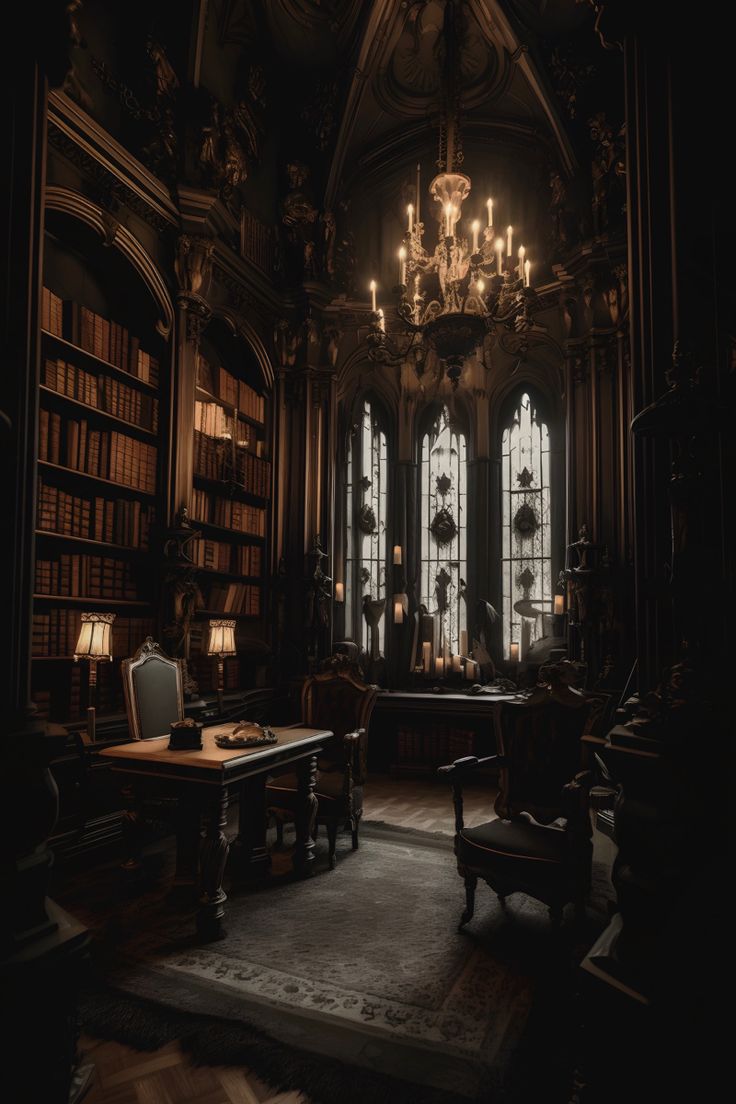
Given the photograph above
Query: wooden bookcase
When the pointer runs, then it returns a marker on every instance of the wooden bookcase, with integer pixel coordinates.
(99, 479)
(230, 505)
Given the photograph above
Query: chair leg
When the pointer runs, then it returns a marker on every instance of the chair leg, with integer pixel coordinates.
(332, 842)
(355, 825)
(471, 882)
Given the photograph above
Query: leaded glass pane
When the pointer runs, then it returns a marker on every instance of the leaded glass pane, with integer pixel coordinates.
(366, 513)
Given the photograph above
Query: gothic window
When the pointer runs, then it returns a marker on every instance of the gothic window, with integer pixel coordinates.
(366, 514)
(525, 549)
(444, 566)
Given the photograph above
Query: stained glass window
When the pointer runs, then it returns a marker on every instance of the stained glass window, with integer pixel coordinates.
(527, 566)
(366, 513)
(444, 531)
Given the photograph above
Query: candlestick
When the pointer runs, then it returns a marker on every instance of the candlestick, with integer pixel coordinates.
(489, 205)
(426, 657)
(514, 652)
(559, 603)
(373, 296)
(520, 269)
(410, 213)
(398, 613)
(475, 228)
(499, 256)
(509, 234)
(397, 554)
(339, 592)
(527, 270)
(448, 220)
(463, 642)
(439, 667)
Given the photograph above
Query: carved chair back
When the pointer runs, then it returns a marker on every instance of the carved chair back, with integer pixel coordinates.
(540, 745)
(154, 695)
(341, 702)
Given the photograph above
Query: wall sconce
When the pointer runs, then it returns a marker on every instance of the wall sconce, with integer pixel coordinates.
(221, 643)
(95, 645)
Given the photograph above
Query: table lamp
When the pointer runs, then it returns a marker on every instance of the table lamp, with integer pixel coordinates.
(221, 643)
(94, 644)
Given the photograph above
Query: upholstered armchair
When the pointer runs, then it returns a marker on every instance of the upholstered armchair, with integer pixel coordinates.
(340, 701)
(540, 843)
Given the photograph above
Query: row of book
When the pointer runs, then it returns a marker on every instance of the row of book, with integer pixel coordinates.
(97, 335)
(234, 598)
(433, 746)
(219, 382)
(102, 392)
(56, 631)
(239, 559)
(213, 459)
(77, 575)
(114, 521)
(228, 514)
(107, 454)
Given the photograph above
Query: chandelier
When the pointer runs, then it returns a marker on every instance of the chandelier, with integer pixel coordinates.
(471, 284)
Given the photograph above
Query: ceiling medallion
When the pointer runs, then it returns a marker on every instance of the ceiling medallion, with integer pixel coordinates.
(443, 527)
(450, 298)
(525, 521)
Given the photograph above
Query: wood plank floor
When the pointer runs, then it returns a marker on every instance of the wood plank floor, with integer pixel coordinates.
(126, 1076)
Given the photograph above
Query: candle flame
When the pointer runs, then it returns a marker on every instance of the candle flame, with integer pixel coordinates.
(372, 285)
(499, 245)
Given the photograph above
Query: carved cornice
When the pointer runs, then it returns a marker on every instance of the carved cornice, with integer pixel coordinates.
(118, 236)
(105, 163)
(198, 314)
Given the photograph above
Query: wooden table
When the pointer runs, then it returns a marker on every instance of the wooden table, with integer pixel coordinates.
(203, 780)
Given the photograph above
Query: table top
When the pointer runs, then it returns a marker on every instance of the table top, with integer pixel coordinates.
(154, 756)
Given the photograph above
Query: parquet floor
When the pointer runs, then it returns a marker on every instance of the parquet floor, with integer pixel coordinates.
(126, 1076)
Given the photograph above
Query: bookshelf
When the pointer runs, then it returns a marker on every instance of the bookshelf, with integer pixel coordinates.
(99, 468)
(230, 503)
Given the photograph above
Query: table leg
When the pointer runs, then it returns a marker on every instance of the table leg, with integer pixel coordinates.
(306, 814)
(213, 857)
(187, 845)
(251, 859)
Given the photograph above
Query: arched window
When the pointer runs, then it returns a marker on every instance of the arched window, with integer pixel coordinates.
(366, 516)
(525, 520)
(444, 554)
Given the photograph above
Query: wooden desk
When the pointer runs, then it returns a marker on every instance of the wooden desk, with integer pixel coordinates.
(203, 780)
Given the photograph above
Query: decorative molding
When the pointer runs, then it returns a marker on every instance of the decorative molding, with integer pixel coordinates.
(78, 206)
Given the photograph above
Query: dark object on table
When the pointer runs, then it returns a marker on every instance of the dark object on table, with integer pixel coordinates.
(247, 734)
(186, 735)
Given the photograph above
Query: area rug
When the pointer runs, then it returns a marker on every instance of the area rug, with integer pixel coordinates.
(354, 984)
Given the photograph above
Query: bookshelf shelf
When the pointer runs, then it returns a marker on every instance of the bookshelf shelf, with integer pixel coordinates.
(91, 602)
(87, 541)
(256, 579)
(226, 491)
(227, 534)
(96, 363)
(62, 469)
(208, 397)
(95, 412)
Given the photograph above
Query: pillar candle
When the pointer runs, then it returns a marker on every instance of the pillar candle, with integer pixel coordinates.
(489, 205)
(470, 666)
(339, 592)
(398, 613)
(522, 251)
(463, 642)
(457, 664)
(439, 667)
(397, 554)
(559, 603)
(509, 238)
(373, 296)
(527, 270)
(514, 652)
(427, 657)
(475, 228)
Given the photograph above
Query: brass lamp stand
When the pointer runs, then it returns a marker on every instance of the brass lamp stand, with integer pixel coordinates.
(221, 643)
(94, 644)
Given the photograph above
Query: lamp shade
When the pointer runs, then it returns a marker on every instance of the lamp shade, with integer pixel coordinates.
(222, 638)
(95, 636)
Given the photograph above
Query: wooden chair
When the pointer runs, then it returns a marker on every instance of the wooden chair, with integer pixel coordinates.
(340, 701)
(541, 842)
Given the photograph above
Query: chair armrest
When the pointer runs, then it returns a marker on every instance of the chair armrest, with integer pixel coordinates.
(469, 764)
(575, 800)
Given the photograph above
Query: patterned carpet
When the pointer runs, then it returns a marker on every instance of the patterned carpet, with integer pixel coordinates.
(360, 968)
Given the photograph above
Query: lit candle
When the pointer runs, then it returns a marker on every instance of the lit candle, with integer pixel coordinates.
(489, 205)
(373, 296)
(339, 592)
(410, 213)
(527, 270)
(463, 642)
(439, 666)
(470, 670)
(509, 235)
(427, 657)
(398, 613)
(381, 322)
(402, 265)
(514, 652)
(448, 220)
(499, 256)
(559, 603)
(397, 553)
(475, 229)
(457, 664)
(522, 251)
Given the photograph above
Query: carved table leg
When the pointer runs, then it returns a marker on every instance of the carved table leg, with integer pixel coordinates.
(212, 859)
(187, 845)
(252, 860)
(131, 827)
(306, 815)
